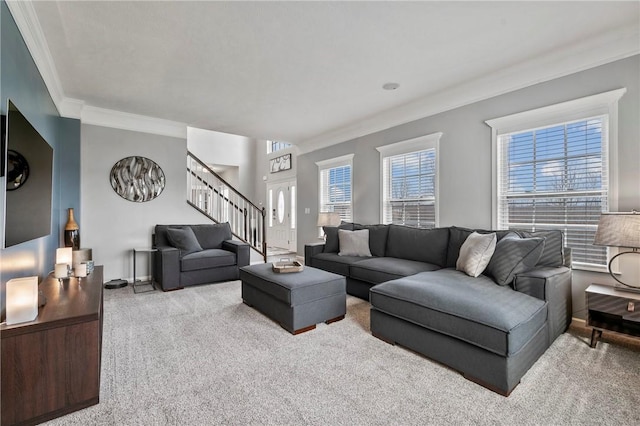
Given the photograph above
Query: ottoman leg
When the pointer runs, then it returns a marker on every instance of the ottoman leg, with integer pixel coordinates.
(341, 317)
(302, 330)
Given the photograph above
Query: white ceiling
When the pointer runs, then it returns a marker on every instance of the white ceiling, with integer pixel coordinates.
(311, 72)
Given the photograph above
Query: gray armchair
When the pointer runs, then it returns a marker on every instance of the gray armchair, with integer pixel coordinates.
(197, 254)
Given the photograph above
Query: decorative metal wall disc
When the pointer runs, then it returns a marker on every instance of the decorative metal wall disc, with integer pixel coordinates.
(137, 179)
(17, 170)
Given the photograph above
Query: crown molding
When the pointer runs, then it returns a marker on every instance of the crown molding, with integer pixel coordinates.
(29, 26)
(71, 108)
(608, 47)
(134, 122)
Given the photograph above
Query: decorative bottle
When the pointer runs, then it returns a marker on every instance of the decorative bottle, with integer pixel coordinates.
(72, 232)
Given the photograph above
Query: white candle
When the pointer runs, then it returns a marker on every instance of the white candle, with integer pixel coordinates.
(61, 270)
(64, 255)
(22, 300)
(81, 270)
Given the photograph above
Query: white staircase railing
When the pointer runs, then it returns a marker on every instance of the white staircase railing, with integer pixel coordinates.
(215, 198)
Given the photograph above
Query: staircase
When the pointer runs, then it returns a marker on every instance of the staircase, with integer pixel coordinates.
(220, 202)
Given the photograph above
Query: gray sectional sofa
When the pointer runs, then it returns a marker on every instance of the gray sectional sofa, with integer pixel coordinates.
(491, 333)
(196, 254)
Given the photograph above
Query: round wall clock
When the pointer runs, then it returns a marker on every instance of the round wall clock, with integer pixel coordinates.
(137, 179)
(17, 170)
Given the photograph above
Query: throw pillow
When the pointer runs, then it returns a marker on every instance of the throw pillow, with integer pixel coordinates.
(514, 255)
(183, 239)
(332, 244)
(475, 253)
(354, 243)
(377, 238)
(552, 255)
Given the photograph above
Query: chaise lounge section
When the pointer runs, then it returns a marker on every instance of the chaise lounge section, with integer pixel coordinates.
(491, 333)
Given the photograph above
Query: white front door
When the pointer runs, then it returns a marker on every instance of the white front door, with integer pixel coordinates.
(281, 219)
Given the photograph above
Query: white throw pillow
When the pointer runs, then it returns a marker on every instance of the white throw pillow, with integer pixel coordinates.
(354, 243)
(476, 253)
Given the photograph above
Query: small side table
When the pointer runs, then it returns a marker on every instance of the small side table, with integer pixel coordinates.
(609, 309)
(138, 283)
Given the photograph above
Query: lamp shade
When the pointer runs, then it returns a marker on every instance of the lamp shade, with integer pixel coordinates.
(618, 230)
(328, 219)
(22, 300)
(64, 255)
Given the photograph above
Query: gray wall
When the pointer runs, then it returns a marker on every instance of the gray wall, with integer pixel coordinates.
(225, 149)
(113, 226)
(465, 157)
(21, 82)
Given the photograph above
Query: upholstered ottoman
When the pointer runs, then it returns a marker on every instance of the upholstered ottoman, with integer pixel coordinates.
(298, 300)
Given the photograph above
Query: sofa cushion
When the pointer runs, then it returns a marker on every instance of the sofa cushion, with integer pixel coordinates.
(207, 259)
(475, 310)
(377, 238)
(514, 255)
(183, 239)
(354, 243)
(332, 262)
(552, 254)
(476, 253)
(423, 245)
(211, 236)
(332, 244)
(380, 269)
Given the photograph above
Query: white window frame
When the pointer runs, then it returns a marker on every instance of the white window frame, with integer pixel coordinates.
(605, 103)
(270, 149)
(345, 160)
(422, 143)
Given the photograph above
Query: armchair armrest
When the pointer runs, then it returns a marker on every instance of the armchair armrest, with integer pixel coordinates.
(553, 285)
(240, 248)
(167, 267)
(310, 250)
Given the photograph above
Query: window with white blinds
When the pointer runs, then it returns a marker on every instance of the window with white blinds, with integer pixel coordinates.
(336, 186)
(409, 170)
(408, 189)
(556, 177)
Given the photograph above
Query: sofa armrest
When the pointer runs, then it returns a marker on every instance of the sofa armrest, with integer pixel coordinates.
(167, 267)
(310, 250)
(553, 285)
(240, 248)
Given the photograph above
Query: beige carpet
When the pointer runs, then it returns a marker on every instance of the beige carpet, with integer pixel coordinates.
(199, 356)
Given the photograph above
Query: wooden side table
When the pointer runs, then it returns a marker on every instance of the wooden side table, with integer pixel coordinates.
(612, 310)
(138, 283)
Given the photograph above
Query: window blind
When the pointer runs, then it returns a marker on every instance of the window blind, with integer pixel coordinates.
(335, 191)
(556, 177)
(409, 194)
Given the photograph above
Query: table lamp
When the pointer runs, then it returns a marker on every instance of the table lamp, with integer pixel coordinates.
(619, 230)
(328, 219)
(22, 300)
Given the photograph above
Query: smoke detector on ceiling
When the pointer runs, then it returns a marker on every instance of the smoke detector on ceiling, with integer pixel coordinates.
(390, 86)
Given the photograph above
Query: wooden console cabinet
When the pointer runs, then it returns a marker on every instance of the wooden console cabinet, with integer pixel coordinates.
(51, 366)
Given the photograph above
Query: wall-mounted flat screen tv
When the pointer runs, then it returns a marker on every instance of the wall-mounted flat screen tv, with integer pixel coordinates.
(28, 171)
